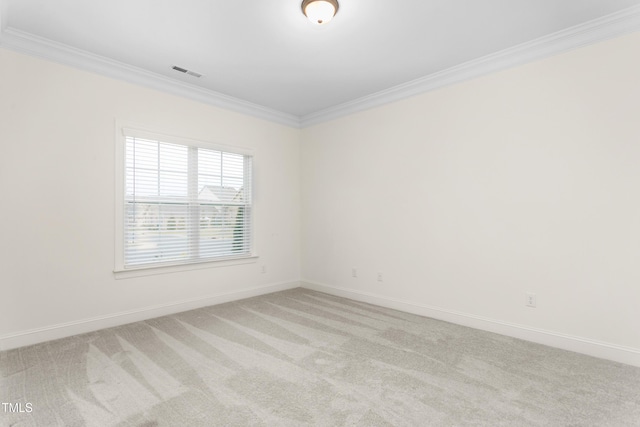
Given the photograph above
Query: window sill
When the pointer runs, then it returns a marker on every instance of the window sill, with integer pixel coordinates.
(126, 273)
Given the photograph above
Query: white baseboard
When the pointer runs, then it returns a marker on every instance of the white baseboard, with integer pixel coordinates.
(617, 353)
(62, 330)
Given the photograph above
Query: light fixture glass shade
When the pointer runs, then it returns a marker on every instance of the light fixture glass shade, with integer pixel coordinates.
(320, 11)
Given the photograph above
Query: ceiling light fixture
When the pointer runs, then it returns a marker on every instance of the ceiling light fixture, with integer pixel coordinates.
(320, 11)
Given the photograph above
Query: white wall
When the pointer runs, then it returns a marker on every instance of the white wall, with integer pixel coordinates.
(57, 143)
(464, 198)
(467, 197)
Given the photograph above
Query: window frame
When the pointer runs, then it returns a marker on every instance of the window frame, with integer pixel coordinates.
(121, 270)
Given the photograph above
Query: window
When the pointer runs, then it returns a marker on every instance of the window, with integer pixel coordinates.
(183, 202)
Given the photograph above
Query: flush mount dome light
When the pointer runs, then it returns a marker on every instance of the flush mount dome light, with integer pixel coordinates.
(320, 11)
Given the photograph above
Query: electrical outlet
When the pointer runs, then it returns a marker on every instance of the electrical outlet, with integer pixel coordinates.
(530, 300)
(354, 272)
(379, 277)
(264, 269)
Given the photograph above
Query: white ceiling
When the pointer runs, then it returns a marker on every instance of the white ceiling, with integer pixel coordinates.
(266, 53)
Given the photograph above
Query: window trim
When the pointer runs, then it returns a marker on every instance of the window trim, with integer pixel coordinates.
(120, 270)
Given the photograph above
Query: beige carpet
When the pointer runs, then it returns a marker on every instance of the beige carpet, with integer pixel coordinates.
(300, 357)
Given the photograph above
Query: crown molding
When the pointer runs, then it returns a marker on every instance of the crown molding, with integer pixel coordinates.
(30, 44)
(609, 26)
(616, 24)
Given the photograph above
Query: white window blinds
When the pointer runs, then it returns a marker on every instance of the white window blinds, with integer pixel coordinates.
(184, 203)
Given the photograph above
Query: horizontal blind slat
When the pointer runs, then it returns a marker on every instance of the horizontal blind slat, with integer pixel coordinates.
(165, 221)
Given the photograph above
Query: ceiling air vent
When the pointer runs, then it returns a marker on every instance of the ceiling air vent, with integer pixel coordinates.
(185, 71)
